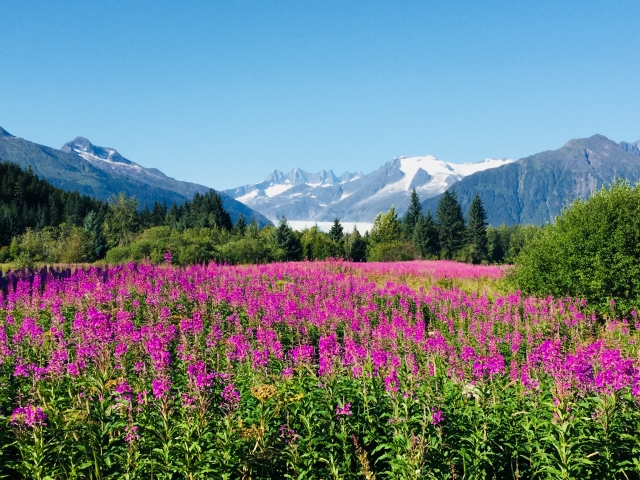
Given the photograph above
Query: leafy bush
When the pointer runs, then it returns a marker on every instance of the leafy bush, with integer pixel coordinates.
(392, 252)
(592, 251)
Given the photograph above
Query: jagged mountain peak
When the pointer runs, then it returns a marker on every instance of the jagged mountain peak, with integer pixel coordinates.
(633, 148)
(89, 151)
(101, 172)
(323, 196)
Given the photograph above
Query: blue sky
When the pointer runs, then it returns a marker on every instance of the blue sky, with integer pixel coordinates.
(221, 93)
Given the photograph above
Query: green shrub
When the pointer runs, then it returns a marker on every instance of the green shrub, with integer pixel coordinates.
(592, 251)
(392, 252)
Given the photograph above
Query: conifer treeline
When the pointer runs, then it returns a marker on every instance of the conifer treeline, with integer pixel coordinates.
(42, 223)
(33, 210)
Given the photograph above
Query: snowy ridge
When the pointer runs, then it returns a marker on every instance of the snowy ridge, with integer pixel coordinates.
(354, 197)
(111, 162)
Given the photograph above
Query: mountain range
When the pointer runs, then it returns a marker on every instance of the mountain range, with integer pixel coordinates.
(535, 189)
(354, 197)
(530, 190)
(101, 172)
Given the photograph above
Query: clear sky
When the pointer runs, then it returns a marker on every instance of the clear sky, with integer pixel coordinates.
(223, 92)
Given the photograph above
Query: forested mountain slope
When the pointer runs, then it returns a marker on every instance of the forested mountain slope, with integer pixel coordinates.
(534, 189)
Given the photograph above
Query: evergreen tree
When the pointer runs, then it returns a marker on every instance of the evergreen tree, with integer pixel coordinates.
(97, 241)
(288, 241)
(450, 221)
(241, 226)
(145, 218)
(205, 210)
(413, 214)
(357, 246)
(336, 231)
(253, 230)
(159, 213)
(477, 231)
(425, 236)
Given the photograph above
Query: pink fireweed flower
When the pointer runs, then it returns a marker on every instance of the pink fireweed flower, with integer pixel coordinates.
(123, 387)
(160, 387)
(288, 435)
(72, 369)
(437, 417)
(168, 257)
(28, 416)
(230, 398)
(344, 411)
(392, 382)
(131, 433)
(302, 354)
(198, 375)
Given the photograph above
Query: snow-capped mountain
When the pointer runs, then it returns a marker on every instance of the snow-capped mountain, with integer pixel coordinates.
(101, 172)
(110, 161)
(354, 197)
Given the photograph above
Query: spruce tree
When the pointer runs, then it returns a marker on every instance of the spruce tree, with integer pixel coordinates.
(451, 231)
(159, 213)
(97, 241)
(357, 246)
(288, 241)
(241, 225)
(413, 214)
(477, 231)
(425, 236)
(336, 231)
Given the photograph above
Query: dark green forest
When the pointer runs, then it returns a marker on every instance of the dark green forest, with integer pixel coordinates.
(40, 223)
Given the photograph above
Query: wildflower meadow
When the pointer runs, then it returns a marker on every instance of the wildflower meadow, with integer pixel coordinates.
(328, 370)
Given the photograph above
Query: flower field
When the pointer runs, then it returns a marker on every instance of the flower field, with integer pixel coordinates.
(309, 370)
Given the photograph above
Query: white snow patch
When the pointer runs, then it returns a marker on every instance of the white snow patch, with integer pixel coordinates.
(277, 189)
(247, 196)
(471, 168)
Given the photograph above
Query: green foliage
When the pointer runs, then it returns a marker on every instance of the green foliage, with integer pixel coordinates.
(336, 233)
(318, 245)
(64, 244)
(425, 237)
(392, 252)
(592, 251)
(187, 247)
(241, 226)
(97, 243)
(504, 243)
(121, 222)
(202, 211)
(412, 215)
(386, 228)
(477, 243)
(355, 246)
(287, 242)
(28, 202)
(450, 225)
